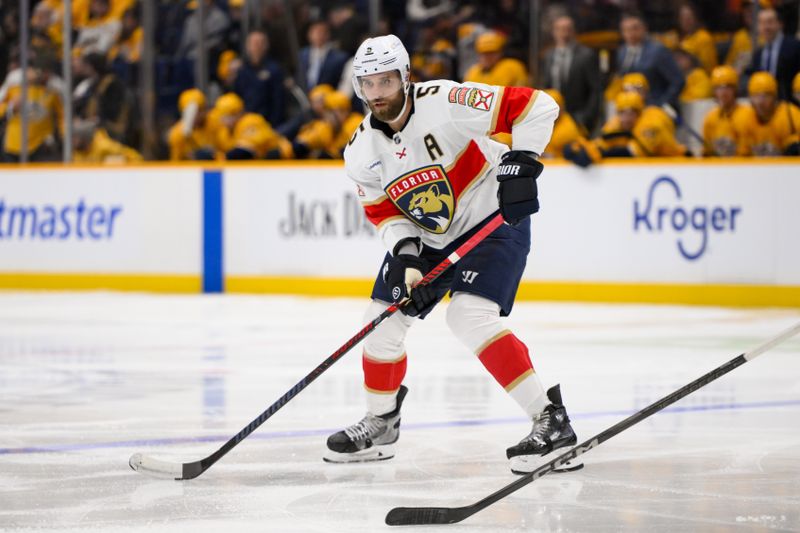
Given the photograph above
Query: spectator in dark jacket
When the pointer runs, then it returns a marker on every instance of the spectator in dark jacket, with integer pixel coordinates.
(642, 54)
(779, 54)
(320, 62)
(260, 80)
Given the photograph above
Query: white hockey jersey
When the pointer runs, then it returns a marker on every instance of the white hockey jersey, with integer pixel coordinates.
(435, 179)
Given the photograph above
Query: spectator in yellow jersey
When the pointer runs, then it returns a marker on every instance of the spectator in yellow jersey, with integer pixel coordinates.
(316, 98)
(228, 67)
(344, 121)
(772, 127)
(565, 130)
(723, 126)
(631, 133)
(93, 145)
(492, 68)
(192, 137)
(698, 83)
(128, 48)
(245, 135)
(45, 116)
(695, 39)
(637, 82)
(101, 29)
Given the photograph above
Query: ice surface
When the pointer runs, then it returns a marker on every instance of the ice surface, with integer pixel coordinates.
(88, 379)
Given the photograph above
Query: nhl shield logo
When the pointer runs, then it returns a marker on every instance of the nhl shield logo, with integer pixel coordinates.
(425, 196)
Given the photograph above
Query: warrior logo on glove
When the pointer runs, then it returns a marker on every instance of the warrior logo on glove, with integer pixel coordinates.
(517, 195)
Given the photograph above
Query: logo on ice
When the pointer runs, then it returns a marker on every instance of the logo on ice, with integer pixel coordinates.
(661, 212)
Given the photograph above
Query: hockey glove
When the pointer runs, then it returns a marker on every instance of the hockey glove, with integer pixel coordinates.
(518, 194)
(402, 273)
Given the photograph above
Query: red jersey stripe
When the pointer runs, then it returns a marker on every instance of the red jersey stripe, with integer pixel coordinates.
(515, 102)
(469, 165)
(381, 211)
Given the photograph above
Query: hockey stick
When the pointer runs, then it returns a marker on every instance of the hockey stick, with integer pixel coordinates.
(178, 471)
(405, 516)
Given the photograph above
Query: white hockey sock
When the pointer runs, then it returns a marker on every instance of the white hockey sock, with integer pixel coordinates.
(530, 395)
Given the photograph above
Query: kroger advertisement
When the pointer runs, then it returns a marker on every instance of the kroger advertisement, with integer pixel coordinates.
(100, 220)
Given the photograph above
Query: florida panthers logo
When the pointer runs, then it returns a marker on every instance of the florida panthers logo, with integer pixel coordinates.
(426, 197)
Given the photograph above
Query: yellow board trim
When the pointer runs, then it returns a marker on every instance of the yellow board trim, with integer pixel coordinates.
(725, 295)
(662, 293)
(121, 282)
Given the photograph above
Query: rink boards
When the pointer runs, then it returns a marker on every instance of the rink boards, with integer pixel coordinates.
(682, 231)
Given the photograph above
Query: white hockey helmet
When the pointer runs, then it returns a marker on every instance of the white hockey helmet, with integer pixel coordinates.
(381, 54)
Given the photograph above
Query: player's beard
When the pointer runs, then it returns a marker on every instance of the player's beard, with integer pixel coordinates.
(391, 111)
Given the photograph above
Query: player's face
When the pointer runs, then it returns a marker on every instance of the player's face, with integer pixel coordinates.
(384, 94)
(627, 118)
(764, 104)
(725, 95)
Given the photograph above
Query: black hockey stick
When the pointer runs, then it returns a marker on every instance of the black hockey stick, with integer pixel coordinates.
(148, 465)
(406, 516)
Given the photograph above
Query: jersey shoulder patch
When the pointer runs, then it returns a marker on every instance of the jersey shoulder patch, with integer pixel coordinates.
(480, 98)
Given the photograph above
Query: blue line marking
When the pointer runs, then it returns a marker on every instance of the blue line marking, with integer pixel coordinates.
(406, 427)
(212, 231)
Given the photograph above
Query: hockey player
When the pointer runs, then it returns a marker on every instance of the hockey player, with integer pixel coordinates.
(772, 127)
(428, 177)
(724, 126)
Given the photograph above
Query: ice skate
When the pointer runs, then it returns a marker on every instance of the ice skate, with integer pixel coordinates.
(551, 431)
(370, 439)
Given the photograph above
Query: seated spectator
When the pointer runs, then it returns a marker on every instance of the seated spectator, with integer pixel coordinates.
(639, 53)
(779, 55)
(565, 130)
(259, 81)
(320, 62)
(698, 84)
(434, 62)
(192, 137)
(494, 69)
(46, 27)
(100, 31)
(772, 127)
(45, 115)
(724, 126)
(636, 82)
(228, 67)
(245, 135)
(344, 120)
(101, 96)
(695, 39)
(93, 145)
(740, 52)
(572, 69)
(631, 134)
(128, 48)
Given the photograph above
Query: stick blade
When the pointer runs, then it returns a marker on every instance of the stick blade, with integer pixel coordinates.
(415, 516)
(155, 468)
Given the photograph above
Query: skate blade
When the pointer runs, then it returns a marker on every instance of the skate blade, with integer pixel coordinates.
(375, 453)
(525, 464)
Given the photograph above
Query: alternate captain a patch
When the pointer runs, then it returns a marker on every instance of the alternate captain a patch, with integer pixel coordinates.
(425, 196)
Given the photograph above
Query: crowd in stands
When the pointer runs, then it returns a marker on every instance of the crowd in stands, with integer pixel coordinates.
(279, 77)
